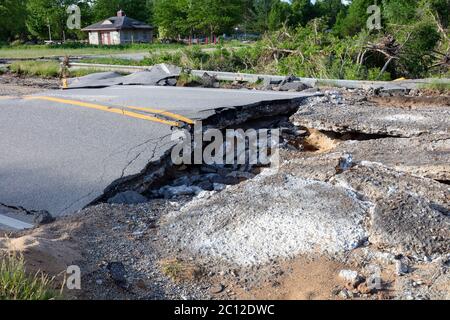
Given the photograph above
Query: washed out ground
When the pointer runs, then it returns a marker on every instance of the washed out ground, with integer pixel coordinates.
(359, 208)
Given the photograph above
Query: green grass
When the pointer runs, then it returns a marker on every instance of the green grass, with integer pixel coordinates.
(74, 49)
(45, 69)
(45, 51)
(16, 284)
(438, 86)
(115, 61)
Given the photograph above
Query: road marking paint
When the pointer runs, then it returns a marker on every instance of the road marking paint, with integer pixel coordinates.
(6, 97)
(14, 223)
(105, 108)
(164, 67)
(164, 113)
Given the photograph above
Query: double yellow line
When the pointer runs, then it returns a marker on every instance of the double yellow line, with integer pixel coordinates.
(122, 111)
(6, 97)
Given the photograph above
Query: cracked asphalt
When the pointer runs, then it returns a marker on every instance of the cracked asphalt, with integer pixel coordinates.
(61, 149)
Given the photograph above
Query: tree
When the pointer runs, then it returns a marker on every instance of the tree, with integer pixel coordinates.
(171, 17)
(329, 9)
(302, 12)
(355, 20)
(215, 16)
(261, 11)
(12, 22)
(136, 9)
(279, 14)
(399, 11)
(47, 17)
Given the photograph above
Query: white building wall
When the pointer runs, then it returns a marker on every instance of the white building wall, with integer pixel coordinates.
(115, 37)
(93, 38)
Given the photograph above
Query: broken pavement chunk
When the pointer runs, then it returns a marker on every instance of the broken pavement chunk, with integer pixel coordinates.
(158, 75)
(128, 197)
(367, 118)
(408, 225)
(426, 156)
(43, 217)
(118, 273)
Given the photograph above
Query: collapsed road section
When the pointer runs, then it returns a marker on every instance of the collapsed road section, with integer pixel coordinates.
(359, 209)
(61, 149)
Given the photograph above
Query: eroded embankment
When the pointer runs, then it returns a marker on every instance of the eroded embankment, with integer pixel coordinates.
(366, 191)
(192, 179)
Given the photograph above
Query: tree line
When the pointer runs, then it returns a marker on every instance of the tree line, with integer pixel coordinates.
(38, 19)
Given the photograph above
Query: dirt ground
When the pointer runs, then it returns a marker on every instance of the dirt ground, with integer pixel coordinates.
(13, 85)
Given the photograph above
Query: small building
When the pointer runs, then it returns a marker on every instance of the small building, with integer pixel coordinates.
(119, 30)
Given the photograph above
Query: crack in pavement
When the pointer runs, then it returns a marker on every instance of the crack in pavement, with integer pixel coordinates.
(105, 163)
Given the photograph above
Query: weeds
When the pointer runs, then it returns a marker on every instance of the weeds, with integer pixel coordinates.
(45, 69)
(180, 271)
(16, 284)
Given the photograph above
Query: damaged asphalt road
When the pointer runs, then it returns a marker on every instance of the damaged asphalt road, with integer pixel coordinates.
(362, 201)
(61, 149)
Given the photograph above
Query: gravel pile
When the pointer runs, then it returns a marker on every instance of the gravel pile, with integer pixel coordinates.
(269, 218)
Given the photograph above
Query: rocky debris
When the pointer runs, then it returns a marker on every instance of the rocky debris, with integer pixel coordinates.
(407, 224)
(216, 289)
(345, 163)
(118, 273)
(169, 192)
(256, 221)
(290, 83)
(374, 182)
(409, 215)
(128, 197)
(13, 85)
(393, 91)
(209, 81)
(427, 156)
(401, 267)
(363, 117)
(351, 277)
(43, 217)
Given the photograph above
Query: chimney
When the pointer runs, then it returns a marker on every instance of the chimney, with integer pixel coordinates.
(120, 13)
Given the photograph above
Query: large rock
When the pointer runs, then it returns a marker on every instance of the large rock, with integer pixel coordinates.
(128, 197)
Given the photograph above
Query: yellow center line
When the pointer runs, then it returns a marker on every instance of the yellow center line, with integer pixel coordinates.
(164, 113)
(104, 108)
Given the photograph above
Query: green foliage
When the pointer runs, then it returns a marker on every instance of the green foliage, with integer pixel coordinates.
(399, 11)
(16, 284)
(140, 10)
(355, 20)
(279, 15)
(415, 58)
(207, 17)
(302, 12)
(305, 48)
(12, 22)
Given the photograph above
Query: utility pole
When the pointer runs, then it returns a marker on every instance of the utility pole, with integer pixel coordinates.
(49, 30)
